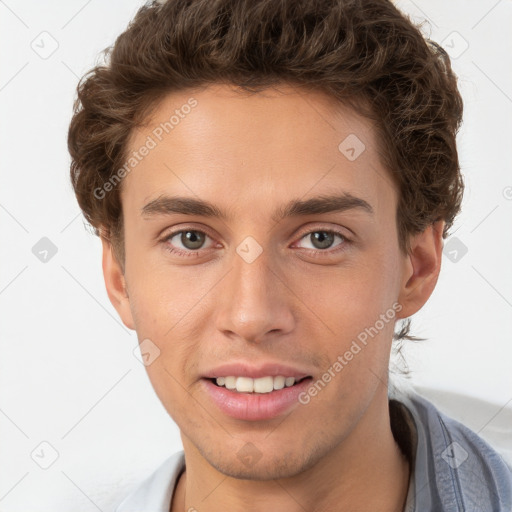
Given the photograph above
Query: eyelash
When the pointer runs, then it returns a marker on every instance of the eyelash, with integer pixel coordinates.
(313, 252)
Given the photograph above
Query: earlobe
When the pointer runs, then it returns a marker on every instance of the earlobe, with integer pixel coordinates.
(115, 284)
(421, 269)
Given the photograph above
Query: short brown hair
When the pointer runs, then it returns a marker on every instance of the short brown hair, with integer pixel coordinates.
(366, 53)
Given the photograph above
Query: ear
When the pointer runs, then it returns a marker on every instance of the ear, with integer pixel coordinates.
(115, 284)
(421, 269)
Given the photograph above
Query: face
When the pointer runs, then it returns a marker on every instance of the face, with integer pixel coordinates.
(277, 290)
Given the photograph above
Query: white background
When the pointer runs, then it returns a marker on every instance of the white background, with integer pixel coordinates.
(68, 375)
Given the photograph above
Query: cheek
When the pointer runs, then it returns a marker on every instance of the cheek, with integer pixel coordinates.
(167, 305)
(162, 314)
(378, 281)
(359, 306)
(354, 297)
(159, 295)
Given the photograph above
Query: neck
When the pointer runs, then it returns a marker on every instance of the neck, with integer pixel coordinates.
(365, 471)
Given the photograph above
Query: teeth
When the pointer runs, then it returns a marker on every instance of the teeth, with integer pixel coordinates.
(279, 382)
(245, 384)
(230, 382)
(261, 385)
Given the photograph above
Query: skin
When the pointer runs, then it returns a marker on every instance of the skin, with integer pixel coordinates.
(249, 155)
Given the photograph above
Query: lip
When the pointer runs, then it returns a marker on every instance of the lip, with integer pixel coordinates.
(255, 406)
(246, 370)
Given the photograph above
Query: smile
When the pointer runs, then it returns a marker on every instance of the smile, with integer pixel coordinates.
(260, 385)
(252, 399)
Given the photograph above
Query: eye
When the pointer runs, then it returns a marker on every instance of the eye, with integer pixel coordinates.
(322, 240)
(191, 240)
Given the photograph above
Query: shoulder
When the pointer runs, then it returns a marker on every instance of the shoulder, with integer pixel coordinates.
(155, 493)
(454, 468)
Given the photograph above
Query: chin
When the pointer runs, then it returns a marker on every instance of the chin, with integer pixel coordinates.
(262, 466)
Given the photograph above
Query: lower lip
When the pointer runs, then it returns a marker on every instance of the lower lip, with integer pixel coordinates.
(255, 406)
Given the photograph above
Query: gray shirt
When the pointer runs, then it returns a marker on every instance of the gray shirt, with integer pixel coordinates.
(453, 469)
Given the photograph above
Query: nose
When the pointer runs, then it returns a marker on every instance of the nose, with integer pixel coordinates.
(255, 302)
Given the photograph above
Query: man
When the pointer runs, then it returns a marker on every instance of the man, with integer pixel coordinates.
(272, 183)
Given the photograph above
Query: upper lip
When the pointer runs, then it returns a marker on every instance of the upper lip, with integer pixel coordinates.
(254, 371)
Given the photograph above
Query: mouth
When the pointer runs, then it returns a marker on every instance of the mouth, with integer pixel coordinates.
(253, 399)
(260, 385)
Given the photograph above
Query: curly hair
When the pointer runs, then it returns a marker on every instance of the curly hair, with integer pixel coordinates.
(365, 53)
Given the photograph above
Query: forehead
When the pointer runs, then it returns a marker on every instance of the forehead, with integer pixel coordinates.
(239, 147)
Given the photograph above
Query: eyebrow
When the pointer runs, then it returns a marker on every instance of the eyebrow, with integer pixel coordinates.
(168, 205)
